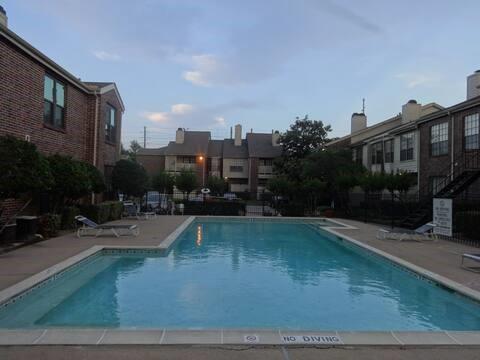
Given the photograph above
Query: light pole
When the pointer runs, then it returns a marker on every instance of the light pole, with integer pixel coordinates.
(201, 158)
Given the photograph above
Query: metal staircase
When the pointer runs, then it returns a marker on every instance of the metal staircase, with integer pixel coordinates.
(465, 171)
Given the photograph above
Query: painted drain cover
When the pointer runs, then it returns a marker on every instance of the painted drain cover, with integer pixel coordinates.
(251, 339)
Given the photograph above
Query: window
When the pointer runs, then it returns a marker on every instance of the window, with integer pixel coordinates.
(53, 102)
(110, 124)
(377, 153)
(265, 162)
(236, 168)
(406, 146)
(436, 183)
(358, 155)
(388, 145)
(471, 133)
(186, 159)
(439, 139)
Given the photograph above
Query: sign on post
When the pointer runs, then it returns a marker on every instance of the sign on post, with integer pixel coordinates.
(442, 216)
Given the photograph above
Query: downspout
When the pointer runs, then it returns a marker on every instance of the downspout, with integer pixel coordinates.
(452, 155)
(95, 135)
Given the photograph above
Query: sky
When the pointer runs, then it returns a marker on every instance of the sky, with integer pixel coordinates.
(211, 64)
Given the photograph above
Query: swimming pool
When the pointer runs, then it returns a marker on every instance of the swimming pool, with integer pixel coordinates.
(243, 274)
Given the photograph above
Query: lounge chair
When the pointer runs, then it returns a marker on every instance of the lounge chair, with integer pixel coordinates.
(130, 210)
(472, 257)
(91, 228)
(422, 233)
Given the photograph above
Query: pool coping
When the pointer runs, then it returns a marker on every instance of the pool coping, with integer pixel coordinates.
(251, 337)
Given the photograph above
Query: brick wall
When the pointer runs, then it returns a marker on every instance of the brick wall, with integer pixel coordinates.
(21, 112)
(441, 165)
(153, 164)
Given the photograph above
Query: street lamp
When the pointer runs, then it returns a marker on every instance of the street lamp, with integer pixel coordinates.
(200, 158)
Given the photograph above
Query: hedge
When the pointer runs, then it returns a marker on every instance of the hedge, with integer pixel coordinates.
(103, 212)
(68, 217)
(466, 222)
(227, 208)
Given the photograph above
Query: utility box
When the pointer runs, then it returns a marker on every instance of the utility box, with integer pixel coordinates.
(26, 227)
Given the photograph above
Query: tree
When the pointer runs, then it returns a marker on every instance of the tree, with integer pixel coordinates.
(186, 181)
(313, 188)
(132, 151)
(22, 169)
(217, 185)
(73, 179)
(163, 182)
(129, 178)
(302, 139)
(280, 186)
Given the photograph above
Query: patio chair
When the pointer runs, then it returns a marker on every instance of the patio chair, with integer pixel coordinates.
(91, 228)
(130, 210)
(472, 257)
(422, 233)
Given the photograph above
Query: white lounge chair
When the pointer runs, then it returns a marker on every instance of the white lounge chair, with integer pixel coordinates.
(91, 228)
(422, 233)
(472, 257)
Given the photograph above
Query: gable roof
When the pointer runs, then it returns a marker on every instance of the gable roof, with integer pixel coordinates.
(158, 151)
(215, 148)
(195, 143)
(260, 146)
(230, 151)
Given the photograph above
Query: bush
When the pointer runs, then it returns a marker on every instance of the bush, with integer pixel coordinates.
(48, 225)
(225, 208)
(68, 217)
(466, 222)
(103, 212)
(129, 178)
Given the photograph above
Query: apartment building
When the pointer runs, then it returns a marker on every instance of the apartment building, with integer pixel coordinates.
(43, 103)
(245, 163)
(390, 146)
(450, 147)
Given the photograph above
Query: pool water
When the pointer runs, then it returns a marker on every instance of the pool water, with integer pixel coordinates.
(245, 274)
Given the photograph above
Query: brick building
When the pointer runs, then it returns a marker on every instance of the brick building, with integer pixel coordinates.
(43, 103)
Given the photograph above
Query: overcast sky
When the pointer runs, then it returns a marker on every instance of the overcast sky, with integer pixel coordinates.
(204, 64)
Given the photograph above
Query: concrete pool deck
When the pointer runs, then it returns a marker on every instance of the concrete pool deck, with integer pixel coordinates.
(440, 257)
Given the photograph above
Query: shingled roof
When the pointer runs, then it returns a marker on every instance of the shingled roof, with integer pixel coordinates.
(260, 146)
(158, 151)
(230, 151)
(215, 148)
(195, 143)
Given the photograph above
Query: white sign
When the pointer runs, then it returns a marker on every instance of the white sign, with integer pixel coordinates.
(442, 216)
(311, 339)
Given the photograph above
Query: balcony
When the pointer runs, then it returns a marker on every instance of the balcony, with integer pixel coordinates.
(265, 171)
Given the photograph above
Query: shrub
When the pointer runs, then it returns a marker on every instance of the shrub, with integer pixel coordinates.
(217, 185)
(466, 222)
(68, 216)
(48, 225)
(186, 181)
(116, 210)
(22, 169)
(163, 182)
(103, 212)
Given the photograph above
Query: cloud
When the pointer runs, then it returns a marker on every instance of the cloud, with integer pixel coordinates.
(181, 109)
(413, 80)
(220, 121)
(106, 56)
(158, 117)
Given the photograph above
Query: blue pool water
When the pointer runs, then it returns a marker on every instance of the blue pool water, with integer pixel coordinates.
(249, 274)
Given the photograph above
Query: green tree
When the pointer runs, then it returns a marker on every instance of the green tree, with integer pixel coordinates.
(302, 139)
(217, 185)
(163, 182)
(73, 179)
(22, 169)
(280, 186)
(313, 189)
(129, 178)
(186, 181)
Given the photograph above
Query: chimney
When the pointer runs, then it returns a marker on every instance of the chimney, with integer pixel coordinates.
(359, 122)
(276, 138)
(238, 135)
(3, 17)
(411, 111)
(180, 136)
(473, 85)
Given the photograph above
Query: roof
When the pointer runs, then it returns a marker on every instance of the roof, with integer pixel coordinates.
(215, 148)
(43, 59)
(158, 151)
(195, 143)
(260, 146)
(454, 108)
(230, 151)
